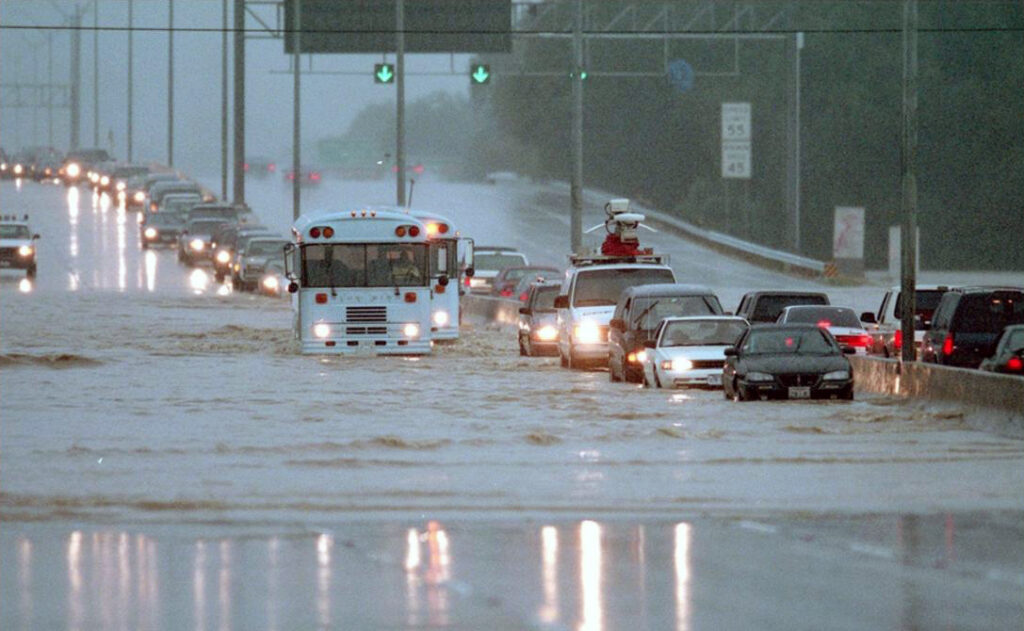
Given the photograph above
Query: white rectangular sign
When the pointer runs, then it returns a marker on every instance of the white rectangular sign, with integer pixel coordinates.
(848, 234)
(736, 133)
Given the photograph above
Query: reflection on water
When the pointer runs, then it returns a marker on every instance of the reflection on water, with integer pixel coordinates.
(25, 285)
(591, 613)
(681, 557)
(25, 582)
(549, 574)
(324, 544)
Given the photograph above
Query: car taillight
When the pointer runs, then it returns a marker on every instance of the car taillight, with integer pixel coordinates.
(897, 339)
(854, 340)
(505, 293)
(523, 296)
(465, 281)
(314, 176)
(947, 345)
(1015, 364)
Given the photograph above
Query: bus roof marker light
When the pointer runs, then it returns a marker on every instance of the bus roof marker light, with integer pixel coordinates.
(414, 231)
(328, 232)
(410, 296)
(400, 231)
(314, 232)
(442, 228)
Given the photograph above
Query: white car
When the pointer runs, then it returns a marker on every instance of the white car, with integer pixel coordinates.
(17, 245)
(841, 322)
(690, 351)
(488, 261)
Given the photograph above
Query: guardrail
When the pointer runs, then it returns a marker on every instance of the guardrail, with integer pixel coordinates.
(992, 402)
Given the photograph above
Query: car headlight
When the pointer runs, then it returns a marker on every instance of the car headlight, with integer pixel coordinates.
(223, 256)
(150, 233)
(837, 375)
(270, 283)
(139, 196)
(25, 250)
(440, 318)
(197, 245)
(104, 180)
(759, 376)
(587, 332)
(411, 330)
(680, 364)
(120, 186)
(321, 330)
(547, 333)
(74, 170)
(18, 169)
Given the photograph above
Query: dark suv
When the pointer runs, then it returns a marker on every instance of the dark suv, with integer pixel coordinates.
(637, 314)
(967, 324)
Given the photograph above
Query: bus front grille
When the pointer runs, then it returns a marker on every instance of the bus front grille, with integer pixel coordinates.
(366, 314)
(366, 330)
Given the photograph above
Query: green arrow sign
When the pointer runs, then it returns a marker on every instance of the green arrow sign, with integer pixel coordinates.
(383, 73)
(481, 74)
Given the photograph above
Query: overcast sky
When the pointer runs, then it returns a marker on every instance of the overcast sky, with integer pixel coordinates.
(329, 101)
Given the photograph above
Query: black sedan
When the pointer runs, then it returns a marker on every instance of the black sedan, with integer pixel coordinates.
(787, 361)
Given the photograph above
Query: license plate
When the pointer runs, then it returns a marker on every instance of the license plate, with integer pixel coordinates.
(800, 393)
(714, 380)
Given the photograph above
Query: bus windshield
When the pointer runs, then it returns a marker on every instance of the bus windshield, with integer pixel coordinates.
(365, 265)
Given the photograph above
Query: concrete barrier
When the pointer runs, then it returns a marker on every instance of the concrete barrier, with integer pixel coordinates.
(490, 310)
(992, 402)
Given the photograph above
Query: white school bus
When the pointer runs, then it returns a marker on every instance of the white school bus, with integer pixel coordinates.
(360, 283)
(450, 255)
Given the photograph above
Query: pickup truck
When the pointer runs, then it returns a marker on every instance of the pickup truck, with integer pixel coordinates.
(884, 325)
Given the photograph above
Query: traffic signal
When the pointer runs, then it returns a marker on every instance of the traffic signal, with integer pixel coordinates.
(383, 73)
(480, 74)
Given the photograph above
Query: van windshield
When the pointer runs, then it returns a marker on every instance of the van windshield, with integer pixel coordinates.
(768, 308)
(601, 287)
(650, 310)
(989, 312)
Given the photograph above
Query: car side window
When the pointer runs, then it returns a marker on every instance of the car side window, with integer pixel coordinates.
(944, 312)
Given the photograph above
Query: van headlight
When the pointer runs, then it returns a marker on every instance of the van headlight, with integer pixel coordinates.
(223, 256)
(74, 170)
(587, 332)
(25, 250)
(197, 245)
(270, 283)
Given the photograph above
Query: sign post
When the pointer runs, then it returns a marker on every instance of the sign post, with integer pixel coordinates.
(736, 140)
(848, 240)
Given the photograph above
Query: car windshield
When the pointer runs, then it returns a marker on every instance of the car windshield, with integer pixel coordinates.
(702, 332)
(989, 312)
(498, 261)
(824, 316)
(768, 308)
(788, 342)
(164, 219)
(204, 227)
(1015, 340)
(603, 286)
(14, 231)
(365, 265)
(545, 298)
(265, 248)
(653, 309)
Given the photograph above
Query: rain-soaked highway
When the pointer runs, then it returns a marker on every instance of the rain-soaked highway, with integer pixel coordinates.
(167, 461)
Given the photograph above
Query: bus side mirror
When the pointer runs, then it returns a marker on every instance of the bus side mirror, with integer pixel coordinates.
(618, 324)
(561, 302)
(731, 352)
(35, 236)
(469, 272)
(293, 287)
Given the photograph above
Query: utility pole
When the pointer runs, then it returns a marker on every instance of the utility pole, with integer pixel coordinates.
(400, 98)
(95, 75)
(49, 90)
(131, 73)
(297, 112)
(76, 76)
(576, 186)
(239, 166)
(224, 101)
(170, 83)
(908, 233)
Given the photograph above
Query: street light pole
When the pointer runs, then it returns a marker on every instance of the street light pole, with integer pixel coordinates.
(239, 96)
(297, 112)
(400, 98)
(131, 73)
(908, 233)
(95, 75)
(224, 101)
(170, 83)
(576, 186)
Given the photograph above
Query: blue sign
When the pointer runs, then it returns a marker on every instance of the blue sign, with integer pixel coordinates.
(680, 75)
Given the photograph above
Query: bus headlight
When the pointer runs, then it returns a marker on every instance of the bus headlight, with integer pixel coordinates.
(197, 245)
(440, 318)
(547, 333)
(25, 250)
(321, 330)
(150, 233)
(587, 332)
(411, 330)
